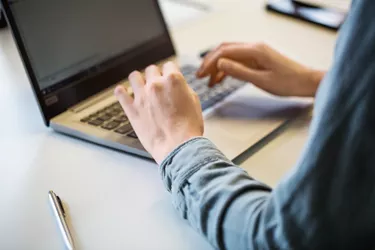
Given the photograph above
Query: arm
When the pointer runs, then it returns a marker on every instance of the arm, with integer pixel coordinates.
(328, 201)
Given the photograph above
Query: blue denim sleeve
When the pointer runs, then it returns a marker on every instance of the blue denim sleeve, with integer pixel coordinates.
(328, 200)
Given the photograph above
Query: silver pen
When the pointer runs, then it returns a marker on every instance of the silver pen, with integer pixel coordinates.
(59, 213)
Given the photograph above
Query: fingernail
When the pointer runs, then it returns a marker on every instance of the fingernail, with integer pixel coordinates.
(119, 90)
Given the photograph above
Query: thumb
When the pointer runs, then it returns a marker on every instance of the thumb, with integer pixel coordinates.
(239, 71)
(124, 99)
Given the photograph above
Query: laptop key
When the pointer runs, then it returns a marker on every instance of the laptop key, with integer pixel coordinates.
(133, 135)
(188, 69)
(86, 119)
(104, 117)
(111, 125)
(124, 129)
(121, 118)
(116, 105)
(96, 122)
(113, 112)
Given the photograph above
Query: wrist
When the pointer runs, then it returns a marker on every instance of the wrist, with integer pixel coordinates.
(164, 147)
(311, 82)
(316, 78)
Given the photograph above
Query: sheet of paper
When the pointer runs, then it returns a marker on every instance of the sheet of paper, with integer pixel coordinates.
(177, 13)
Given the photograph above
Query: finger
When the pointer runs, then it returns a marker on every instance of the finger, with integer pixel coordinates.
(170, 68)
(124, 99)
(239, 71)
(211, 54)
(220, 77)
(151, 72)
(212, 79)
(237, 52)
(217, 79)
(137, 82)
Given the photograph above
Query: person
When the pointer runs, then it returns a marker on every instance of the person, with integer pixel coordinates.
(326, 202)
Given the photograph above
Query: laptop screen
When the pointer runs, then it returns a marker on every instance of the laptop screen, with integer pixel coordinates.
(63, 38)
(67, 43)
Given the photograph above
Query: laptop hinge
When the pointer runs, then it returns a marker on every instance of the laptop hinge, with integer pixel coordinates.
(96, 98)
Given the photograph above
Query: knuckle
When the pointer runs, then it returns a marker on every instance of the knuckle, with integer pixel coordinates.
(223, 45)
(175, 77)
(227, 65)
(133, 74)
(169, 63)
(223, 51)
(260, 46)
(155, 86)
(150, 67)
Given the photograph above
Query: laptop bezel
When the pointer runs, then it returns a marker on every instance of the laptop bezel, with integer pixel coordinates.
(53, 104)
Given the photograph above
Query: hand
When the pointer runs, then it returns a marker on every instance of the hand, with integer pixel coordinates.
(165, 111)
(262, 66)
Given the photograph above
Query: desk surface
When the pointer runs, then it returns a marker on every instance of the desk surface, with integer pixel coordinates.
(117, 201)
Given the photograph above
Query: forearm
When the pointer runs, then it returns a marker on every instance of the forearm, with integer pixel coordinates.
(218, 199)
(234, 211)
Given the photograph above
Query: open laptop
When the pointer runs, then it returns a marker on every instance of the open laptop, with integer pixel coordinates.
(76, 52)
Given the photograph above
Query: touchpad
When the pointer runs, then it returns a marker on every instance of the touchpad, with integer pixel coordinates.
(247, 116)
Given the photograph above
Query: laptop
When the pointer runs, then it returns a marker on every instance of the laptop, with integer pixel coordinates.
(76, 52)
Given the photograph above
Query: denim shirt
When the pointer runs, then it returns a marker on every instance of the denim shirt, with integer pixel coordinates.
(328, 200)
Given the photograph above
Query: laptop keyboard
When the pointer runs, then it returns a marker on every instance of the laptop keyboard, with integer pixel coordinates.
(210, 96)
(113, 118)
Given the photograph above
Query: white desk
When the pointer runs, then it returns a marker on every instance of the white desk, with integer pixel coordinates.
(117, 201)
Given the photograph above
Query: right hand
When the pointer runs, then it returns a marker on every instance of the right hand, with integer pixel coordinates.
(262, 66)
(164, 112)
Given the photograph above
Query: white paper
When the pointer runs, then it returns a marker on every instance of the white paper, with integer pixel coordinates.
(176, 13)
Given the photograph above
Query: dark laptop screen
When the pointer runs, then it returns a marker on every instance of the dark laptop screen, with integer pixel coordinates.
(73, 49)
(63, 38)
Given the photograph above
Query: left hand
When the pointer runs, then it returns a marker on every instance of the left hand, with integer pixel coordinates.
(165, 111)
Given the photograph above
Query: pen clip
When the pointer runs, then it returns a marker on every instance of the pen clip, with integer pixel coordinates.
(61, 205)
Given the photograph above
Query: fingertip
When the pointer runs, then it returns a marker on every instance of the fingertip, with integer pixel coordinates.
(119, 90)
(170, 63)
(122, 95)
(212, 81)
(133, 74)
(220, 77)
(170, 67)
(200, 72)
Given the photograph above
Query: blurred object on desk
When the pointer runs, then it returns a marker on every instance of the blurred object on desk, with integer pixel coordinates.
(331, 18)
(343, 5)
(181, 12)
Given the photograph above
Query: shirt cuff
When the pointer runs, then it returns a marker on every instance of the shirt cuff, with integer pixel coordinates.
(187, 159)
